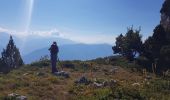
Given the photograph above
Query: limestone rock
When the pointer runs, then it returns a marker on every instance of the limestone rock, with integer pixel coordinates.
(21, 98)
(62, 73)
(14, 96)
(83, 80)
(40, 74)
(165, 15)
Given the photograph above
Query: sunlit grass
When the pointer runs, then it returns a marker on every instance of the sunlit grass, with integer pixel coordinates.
(38, 83)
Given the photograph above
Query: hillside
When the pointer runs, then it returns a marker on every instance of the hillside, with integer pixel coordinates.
(73, 52)
(108, 81)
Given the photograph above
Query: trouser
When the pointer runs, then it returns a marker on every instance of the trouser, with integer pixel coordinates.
(53, 63)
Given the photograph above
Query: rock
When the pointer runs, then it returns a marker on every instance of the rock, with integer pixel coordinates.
(83, 80)
(114, 70)
(136, 84)
(167, 73)
(147, 83)
(62, 73)
(112, 82)
(25, 74)
(21, 98)
(105, 83)
(105, 70)
(98, 85)
(14, 96)
(165, 15)
(148, 77)
(165, 22)
(40, 74)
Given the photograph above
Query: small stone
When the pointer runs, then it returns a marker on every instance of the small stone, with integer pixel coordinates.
(148, 77)
(17, 96)
(21, 98)
(83, 80)
(105, 83)
(136, 84)
(147, 83)
(62, 73)
(13, 95)
(40, 74)
(25, 74)
(98, 85)
(112, 83)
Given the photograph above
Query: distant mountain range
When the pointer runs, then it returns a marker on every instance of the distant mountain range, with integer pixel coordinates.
(34, 47)
(73, 52)
(32, 42)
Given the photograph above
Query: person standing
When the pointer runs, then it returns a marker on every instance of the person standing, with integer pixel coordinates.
(54, 54)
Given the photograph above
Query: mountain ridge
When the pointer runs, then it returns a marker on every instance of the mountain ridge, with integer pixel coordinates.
(32, 42)
(73, 52)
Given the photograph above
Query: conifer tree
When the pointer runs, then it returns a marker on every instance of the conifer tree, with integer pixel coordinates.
(11, 57)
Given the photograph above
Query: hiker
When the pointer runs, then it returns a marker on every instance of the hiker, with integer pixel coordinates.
(54, 52)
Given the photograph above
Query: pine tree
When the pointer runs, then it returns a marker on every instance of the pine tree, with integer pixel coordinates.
(11, 57)
(129, 45)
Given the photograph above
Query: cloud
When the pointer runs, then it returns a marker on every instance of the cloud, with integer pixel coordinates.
(48, 33)
(4, 30)
(77, 37)
(94, 39)
(12, 32)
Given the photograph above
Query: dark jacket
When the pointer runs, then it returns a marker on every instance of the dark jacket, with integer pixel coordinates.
(54, 49)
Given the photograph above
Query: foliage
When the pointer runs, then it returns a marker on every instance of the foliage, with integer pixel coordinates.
(44, 61)
(127, 93)
(153, 44)
(68, 64)
(157, 49)
(129, 45)
(165, 56)
(155, 89)
(144, 63)
(11, 57)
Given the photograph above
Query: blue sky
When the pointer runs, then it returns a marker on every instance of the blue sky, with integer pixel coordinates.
(87, 21)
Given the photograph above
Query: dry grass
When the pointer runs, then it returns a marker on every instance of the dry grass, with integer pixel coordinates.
(25, 81)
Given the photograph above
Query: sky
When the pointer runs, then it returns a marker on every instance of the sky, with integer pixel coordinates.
(85, 21)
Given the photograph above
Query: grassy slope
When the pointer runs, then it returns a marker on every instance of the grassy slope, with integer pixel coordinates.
(25, 81)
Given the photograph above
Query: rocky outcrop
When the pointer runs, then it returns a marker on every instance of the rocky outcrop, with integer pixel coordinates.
(165, 15)
(165, 22)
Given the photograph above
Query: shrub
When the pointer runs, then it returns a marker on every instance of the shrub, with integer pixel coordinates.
(42, 62)
(68, 64)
